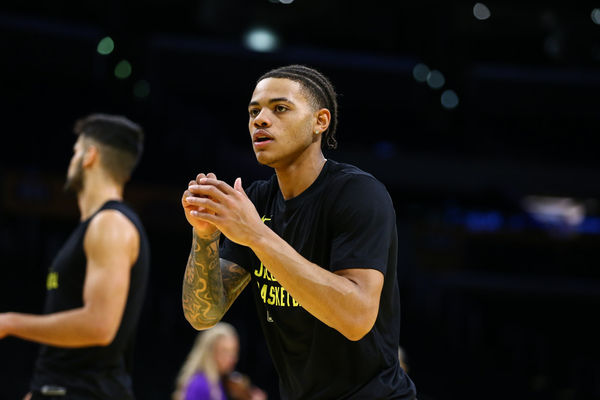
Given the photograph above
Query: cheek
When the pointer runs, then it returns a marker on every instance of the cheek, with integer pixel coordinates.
(225, 362)
(305, 131)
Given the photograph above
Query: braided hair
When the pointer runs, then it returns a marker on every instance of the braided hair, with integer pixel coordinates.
(320, 91)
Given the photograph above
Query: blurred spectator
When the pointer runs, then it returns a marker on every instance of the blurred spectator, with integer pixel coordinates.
(208, 372)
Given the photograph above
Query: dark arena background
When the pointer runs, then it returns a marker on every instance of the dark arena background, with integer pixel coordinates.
(482, 119)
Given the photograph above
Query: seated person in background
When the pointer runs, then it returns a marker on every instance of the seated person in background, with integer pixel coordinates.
(208, 372)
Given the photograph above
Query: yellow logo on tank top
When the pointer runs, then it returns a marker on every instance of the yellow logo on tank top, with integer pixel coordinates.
(52, 280)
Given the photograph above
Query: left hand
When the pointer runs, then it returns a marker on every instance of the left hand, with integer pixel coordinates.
(228, 208)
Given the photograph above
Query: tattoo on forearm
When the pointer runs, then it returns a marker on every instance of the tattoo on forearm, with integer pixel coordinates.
(235, 279)
(210, 285)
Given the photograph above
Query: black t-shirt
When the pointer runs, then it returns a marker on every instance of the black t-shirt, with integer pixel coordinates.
(345, 219)
(95, 372)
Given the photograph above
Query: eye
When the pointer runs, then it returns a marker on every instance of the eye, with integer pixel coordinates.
(254, 112)
(280, 108)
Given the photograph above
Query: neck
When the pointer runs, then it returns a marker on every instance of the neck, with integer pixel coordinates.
(95, 193)
(297, 177)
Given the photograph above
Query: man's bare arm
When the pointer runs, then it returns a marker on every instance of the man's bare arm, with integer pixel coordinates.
(111, 246)
(210, 284)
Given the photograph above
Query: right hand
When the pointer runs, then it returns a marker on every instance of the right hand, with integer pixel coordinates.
(202, 228)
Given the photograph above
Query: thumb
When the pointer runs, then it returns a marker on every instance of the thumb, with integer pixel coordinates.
(237, 185)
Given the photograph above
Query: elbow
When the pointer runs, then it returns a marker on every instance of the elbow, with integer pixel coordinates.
(202, 316)
(354, 334)
(198, 323)
(357, 328)
(99, 328)
(104, 341)
(201, 325)
(104, 336)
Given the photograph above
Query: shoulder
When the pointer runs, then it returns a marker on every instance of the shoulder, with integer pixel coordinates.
(112, 227)
(344, 173)
(127, 211)
(352, 183)
(262, 184)
(111, 220)
(261, 189)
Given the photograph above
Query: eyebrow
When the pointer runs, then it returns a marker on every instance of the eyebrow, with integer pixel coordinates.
(275, 100)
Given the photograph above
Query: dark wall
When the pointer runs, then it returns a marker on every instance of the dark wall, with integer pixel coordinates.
(496, 302)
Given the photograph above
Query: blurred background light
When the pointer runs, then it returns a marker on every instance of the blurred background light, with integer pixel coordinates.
(420, 72)
(476, 221)
(261, 39)
(449, 99)
(481, 11)
(123, 69)
(590, 225)
(141, 89)
(596, 16)
(106, 46)
(559, 211)
(286, 1)
(435, 79)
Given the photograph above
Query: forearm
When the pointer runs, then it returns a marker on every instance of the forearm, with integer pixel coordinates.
(335, 300)
(204, 299)
(72, 328)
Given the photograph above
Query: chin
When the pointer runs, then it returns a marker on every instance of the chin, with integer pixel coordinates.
(73, 184)
(264, 159)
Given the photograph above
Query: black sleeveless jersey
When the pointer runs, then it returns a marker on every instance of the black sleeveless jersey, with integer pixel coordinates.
(96, 372)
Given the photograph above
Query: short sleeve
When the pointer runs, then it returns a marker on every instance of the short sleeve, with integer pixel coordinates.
(364, 224)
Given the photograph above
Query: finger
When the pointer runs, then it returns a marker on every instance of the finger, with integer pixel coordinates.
(206, 203)
(222, 186)
(208, 217)
(211, 175)
(200, 176)
(192, 183)
(186, 194)
(237, 185)
(185, 203)
(208, 191)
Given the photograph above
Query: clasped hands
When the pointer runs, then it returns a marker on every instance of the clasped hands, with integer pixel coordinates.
(212, 205)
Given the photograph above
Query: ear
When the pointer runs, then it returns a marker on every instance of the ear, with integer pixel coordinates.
(322, 122)
(91, 156)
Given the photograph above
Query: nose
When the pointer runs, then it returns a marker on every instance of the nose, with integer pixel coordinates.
(262, 120)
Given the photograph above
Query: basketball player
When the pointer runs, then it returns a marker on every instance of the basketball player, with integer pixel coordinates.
(316, 243)
(96, 283)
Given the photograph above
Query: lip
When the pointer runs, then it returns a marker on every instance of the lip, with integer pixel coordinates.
(261, 138)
